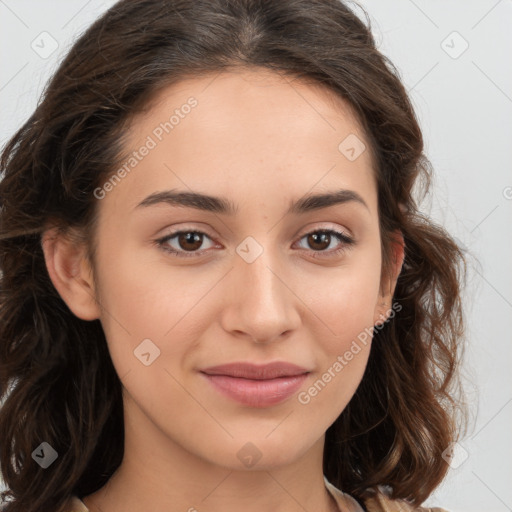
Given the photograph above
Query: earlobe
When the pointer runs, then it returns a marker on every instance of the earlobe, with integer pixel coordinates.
(388, 285)
(70, 273)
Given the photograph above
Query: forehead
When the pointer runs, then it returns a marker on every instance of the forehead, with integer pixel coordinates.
(260, 101)
(251, 95)
(246, 128)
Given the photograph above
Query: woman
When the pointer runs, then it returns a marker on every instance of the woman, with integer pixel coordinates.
(217, 289)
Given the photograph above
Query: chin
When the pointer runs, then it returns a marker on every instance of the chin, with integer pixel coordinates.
(258, 454)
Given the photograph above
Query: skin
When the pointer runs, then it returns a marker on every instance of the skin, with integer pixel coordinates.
(262, 141)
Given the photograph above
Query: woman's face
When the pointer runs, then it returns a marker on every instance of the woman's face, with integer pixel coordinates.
(254, 279)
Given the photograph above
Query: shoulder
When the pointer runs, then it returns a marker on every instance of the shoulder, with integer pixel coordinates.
(76, 505)
(378, 500)
(344, 501)
(375, 500)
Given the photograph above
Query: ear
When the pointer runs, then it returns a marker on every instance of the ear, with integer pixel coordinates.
(70, 272)
(388, 283)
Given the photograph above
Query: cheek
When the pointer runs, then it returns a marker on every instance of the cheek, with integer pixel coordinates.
(344, 302)
(343, 341)
(144, 300)
(344, 298)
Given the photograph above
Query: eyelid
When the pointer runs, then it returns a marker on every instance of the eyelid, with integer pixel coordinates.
(187, 229)
(329, 227)
(343, 235)
(314, 227)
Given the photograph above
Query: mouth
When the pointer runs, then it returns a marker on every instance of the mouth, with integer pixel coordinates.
(256, 385)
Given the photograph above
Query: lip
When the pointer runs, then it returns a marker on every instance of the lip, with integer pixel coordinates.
(256, 385)
(245, 370)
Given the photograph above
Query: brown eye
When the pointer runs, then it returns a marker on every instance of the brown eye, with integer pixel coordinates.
(184, 243)
(190, 240)
(319, 240)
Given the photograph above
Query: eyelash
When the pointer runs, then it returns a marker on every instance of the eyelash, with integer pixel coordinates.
(345, 240)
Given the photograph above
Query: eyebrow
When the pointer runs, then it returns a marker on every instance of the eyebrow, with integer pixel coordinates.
(222, 205)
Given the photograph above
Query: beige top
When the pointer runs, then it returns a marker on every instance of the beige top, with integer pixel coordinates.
(77, 505)
(378, 503)
(344, 501)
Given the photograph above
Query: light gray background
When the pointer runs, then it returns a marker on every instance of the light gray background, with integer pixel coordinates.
(464, 102)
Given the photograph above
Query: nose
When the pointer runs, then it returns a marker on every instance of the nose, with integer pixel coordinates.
(259, 302)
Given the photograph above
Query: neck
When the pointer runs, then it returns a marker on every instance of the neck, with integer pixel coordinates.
(158, 474)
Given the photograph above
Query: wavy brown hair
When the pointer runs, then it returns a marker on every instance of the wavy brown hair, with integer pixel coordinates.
(57, 381)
